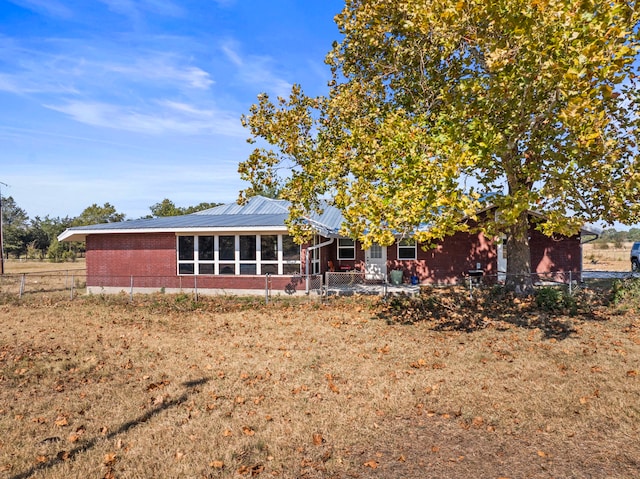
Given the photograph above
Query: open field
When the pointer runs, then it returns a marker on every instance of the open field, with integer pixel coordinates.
(163, 387)
(13, 266)
(595, 257)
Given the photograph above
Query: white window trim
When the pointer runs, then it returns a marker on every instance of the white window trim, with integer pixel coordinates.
(341, 248)
(280, 262)
(406, 247)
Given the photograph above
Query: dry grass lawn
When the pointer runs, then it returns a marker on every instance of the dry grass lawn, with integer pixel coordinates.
(99, 387)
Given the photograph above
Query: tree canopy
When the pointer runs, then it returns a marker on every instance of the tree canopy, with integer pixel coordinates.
(438, 110)
(95, 214)
(168, 208)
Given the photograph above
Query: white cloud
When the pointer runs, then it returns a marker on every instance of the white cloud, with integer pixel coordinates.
(134, 9)
(162, 68)
(168, 118)
(256, 70)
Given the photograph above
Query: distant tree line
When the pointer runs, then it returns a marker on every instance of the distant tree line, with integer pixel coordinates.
(37, 238)
(618, 238)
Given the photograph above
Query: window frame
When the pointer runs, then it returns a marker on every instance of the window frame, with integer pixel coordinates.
(248, 261)
(406, 245)
(342, 248)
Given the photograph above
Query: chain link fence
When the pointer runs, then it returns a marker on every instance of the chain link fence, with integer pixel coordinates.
(74, 283)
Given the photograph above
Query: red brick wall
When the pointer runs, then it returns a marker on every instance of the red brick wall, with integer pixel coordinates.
(112, 259)
(449, 261)
(555, 254)
(138, 254)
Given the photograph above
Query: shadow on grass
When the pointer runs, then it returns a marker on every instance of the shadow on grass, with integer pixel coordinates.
(65, 456)
(458, 310)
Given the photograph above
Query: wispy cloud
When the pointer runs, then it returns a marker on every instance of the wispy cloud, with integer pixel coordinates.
(164, 118)
(136, 8)
(255, 70)
(161, 68)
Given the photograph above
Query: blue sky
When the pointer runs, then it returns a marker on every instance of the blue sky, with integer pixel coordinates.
(133, 101)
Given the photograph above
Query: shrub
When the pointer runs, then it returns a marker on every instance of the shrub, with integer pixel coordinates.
(626, 292)
(555, 300)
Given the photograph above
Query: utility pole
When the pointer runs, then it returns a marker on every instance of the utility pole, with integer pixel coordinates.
(1, 231)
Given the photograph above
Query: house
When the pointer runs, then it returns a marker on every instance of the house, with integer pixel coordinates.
(243, 249)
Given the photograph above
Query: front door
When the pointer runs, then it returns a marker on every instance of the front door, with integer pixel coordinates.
(376, 263)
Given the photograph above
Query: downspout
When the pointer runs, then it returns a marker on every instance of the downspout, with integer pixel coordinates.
(307, 260)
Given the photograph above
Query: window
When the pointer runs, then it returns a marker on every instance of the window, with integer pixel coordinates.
(227, 248)
(185, 248)
(205, 248)
(269, 247)
(247, 248)
(238, 254)
(346, 248)
(407, 249)
(290, 250)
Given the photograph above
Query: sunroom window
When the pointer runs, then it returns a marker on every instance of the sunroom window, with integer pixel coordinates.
(238, 254)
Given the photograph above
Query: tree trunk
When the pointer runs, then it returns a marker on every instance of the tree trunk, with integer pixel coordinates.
(519, 257)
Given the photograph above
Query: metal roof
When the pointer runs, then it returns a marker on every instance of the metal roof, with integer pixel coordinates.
(258, 213)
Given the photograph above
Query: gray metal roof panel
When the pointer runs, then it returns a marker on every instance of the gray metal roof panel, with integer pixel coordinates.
(191, 221)
(256, 205)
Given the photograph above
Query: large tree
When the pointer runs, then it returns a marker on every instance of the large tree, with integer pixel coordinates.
(438, 110)
(15, 222)
(95, 214)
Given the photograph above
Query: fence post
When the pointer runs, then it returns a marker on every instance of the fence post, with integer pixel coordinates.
(266, 288)
(131, 290)
(570, 284)
(72, 284)
(22, 282)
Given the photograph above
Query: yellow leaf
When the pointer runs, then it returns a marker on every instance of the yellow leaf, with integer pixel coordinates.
(217, 464)
(372, 464)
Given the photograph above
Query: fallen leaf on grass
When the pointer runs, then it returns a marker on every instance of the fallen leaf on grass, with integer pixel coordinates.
(61, 421)
(248, 431)
(372, 464)
(217, 464)
(109, 458)
(317, 439)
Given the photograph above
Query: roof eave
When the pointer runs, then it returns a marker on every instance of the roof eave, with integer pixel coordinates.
(81, 234)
